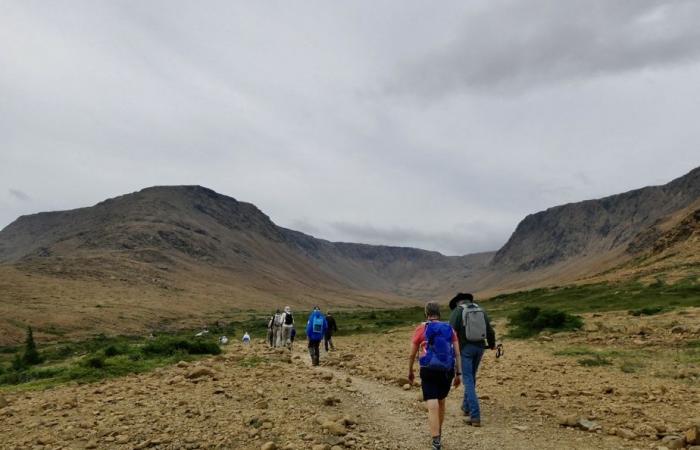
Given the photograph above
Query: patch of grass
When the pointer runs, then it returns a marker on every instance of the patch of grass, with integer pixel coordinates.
(168, 346)
(104, 357)
(531, 320)
(649, 311)
(599, 297)
(250, 361)
(576, 351)
(631, 366)
(595, 361)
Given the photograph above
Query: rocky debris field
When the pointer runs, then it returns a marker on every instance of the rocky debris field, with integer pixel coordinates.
(538, 395)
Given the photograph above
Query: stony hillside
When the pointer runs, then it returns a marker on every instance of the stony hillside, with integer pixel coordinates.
(170, 227)
(593, 227)
(187, 253)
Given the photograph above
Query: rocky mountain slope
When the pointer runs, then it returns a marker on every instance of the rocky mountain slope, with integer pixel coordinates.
(594, 227)
(186, 253)
(172, 227)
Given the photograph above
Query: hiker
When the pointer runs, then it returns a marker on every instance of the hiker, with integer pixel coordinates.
(287, 326)
(473, 327)
(332, 328)
(440, 366)
(277, 328)
(316, 328)
(270, 334)
(246, 338)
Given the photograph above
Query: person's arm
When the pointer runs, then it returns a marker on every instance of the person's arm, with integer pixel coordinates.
(411, 360)
(490, 333)
(458, 361)
(308, 328)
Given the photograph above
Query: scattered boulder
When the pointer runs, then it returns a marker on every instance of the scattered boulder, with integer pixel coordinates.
(624, 433)
(269, 446)
(335, 428)
(331, 400)
(587, 425)
(673, 442)
(692, 435)
(199, 372)
(568, 421)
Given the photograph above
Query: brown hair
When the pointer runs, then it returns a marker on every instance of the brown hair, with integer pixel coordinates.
(432, 309)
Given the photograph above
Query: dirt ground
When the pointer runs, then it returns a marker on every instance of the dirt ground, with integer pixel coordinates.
(251, 396)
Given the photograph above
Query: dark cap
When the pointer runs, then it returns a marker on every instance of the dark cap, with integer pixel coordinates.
(460, 297)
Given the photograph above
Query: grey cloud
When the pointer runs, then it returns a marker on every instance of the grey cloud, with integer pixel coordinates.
(512, 46)
(19, 195)
(281, 105)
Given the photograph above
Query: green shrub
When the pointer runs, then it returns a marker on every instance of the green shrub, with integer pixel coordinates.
(530, 320)
(18, 363)
(30, 355)
(166, 346)
(649, 311)
(95, 361)
(114, 350)
(595, 361)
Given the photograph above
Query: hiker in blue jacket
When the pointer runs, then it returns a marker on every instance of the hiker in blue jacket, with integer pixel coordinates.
(316, 328)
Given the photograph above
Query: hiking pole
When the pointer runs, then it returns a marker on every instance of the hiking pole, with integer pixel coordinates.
(499, 350)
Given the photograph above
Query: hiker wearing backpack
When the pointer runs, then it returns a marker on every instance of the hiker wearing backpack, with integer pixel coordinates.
(475, 333)
(440, 366)
(332, 328)
(270, 333)
(287, 326)
(277, 329)
(316, 328)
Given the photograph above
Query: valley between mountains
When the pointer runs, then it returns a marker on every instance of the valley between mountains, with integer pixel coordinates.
(172, 257)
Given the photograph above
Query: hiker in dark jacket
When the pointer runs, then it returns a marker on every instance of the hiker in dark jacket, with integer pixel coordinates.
(332, 328)
(474, 337)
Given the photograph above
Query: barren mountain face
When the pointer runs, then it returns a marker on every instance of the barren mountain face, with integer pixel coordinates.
(174, 253)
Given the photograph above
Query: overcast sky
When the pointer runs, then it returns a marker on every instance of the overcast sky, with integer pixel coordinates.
(436, 125)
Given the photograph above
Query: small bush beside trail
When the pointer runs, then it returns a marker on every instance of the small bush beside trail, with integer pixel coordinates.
(531, 320)
(168, 346)
(646, 311)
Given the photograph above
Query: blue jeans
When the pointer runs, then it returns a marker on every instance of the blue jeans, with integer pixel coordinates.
(471, 357)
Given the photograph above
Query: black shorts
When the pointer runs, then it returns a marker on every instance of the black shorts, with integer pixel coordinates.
(435, 383)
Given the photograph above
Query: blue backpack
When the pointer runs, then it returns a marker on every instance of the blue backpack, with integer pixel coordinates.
(317, 324)
(440, 354)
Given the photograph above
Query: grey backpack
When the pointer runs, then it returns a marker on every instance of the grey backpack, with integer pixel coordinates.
(474, 322)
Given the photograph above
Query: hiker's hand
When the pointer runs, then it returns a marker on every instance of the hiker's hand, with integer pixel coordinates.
(411, 376)
(457, 381)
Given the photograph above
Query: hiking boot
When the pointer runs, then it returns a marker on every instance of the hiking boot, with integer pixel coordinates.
(436, 444)
(465, 413)
(474, 423)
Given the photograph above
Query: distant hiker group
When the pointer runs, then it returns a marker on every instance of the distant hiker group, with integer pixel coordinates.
(449, 354)
(319, 327)
(280, 328)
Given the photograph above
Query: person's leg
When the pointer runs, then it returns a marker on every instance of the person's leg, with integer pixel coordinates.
(433, 417)
(466, 369)
(317, 352)
(330, 341)
(441, 405)
(325, 342)
(311, 351)
(471, 402)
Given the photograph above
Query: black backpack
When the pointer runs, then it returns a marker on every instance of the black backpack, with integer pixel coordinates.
(288, 319)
